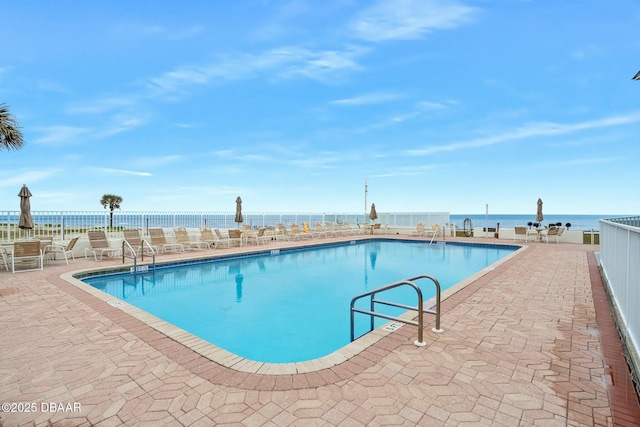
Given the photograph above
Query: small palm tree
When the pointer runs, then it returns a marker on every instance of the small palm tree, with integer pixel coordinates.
(10, 134)
(113, 202)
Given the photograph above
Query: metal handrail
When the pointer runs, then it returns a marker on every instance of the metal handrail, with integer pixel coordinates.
(420, 309)
(435, 234)
(134, 255)
(153, 252)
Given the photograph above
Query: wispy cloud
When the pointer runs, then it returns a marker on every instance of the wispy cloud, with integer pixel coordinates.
(368, 99)
(433, 106)
(110, 171)
(156, 162)
(103, 105)
(137, 30)
(58, 135)
(409, 19)
(579, 162)
(407, 171)
(323, 65)
(122, 124)
(283, 63)
(16, 180)
(529, 131)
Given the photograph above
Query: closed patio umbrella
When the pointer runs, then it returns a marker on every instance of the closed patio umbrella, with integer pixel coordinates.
(238, 218)
(373, 214)
(26, 222)
(539, 216)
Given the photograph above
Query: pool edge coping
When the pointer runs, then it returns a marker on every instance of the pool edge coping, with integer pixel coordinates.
(237, 363)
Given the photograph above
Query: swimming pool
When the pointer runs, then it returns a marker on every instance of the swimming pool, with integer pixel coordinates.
(292, 305)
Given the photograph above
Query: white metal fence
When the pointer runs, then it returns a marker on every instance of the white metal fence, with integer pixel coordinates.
(620, 261)
(66, 224)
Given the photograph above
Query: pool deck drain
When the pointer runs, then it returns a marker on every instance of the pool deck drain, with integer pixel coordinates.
(522, 345)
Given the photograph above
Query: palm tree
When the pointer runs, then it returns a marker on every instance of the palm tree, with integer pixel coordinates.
(10, 134)
(113, 202)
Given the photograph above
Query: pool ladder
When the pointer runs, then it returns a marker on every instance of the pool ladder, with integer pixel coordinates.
(134, 255)
(420, 309)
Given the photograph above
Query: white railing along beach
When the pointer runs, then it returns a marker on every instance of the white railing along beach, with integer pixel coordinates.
(65, 224)
(620, 262)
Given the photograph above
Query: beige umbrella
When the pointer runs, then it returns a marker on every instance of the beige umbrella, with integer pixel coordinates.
(26, 222)
(373, 214)
(238, 218)
(539, 216)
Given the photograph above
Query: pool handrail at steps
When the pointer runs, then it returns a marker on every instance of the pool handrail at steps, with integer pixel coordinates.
(420, 309)
(134, 255)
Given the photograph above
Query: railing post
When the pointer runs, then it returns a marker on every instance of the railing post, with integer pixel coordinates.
(420, 342)
(372, 323)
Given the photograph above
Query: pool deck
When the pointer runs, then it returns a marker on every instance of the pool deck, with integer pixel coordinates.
(531, 342)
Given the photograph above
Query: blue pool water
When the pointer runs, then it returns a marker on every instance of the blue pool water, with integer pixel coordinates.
(295, 305)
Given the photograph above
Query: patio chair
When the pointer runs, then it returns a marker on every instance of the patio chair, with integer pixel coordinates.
(320, 231)
(183, 238)
(308, 230)
(133, 238)
(521, 234)
(271, 232)
(328, 226)
(27, 253)
(222, 240)
(298, 233)
(206, 235)
(282, 233)
(552, 233)
(258, 237)
(5, 257)
(376, 229)
(419, 231)
(65, 250)
(351, 230)
(99, 246)
(160, 243)
(434, 231)
(235, 236)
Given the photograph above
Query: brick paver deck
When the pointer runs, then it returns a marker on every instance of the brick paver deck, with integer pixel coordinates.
(529, 343)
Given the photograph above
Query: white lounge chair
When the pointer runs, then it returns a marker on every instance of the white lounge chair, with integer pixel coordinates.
(222, 240)
(99, 246)
(183, 238)
(206, 235)
(257, 237)
(65, 250)
(160, 244)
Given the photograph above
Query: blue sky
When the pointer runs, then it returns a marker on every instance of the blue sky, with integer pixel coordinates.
(439, 105)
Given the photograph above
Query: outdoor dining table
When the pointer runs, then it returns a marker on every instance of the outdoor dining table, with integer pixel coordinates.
(539, 231)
